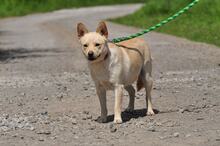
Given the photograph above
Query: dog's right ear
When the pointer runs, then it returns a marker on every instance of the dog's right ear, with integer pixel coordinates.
(81, 30)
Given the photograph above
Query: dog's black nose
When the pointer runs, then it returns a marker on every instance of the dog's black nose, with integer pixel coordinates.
(90, 54)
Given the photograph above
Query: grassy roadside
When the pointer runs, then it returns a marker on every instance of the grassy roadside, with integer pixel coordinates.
(23, 7)
(201, 23)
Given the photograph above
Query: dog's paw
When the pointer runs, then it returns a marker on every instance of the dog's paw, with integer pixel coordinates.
(150, 113)
(118, 121)
(101, 120)
(129, 110)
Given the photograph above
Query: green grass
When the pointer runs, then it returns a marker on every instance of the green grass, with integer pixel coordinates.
(23, 7)
(201, 23)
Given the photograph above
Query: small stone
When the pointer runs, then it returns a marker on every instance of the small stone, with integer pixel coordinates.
(74, 122)
(181, 110)
(22, 94)
(151, 128)
(140, 94)
(206, 93)
(32, 128)
(41, 139)
(15, 135)
(46, 132)
(60, 96)
(86, 112)
(20, 104)
(44, 113)
(45, 98)
(162, 137)
(6, 116)
(199, 84)
(112, 128)
(92, 127)
(84, 118)
(65, 88)
(176, 134)
(175, 91)
(89, 116)
(53, 137)
(46, 122)
(200, 118)
(137, 97)
(188, 135)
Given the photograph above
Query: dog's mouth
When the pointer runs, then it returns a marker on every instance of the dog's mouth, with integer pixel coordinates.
(93, 58)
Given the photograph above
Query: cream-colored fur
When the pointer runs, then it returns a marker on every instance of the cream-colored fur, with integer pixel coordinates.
(116, 67)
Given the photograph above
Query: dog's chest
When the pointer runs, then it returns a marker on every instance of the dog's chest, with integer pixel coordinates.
(105, 75)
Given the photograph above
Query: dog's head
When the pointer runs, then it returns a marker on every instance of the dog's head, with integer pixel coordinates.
(93, 43)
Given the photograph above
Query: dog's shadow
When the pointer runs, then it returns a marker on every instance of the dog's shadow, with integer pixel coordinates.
(127, 116)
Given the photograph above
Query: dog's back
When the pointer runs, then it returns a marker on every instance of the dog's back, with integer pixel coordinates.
(141, 47)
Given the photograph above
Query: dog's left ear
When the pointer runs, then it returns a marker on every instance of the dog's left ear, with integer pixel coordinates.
(102, 29)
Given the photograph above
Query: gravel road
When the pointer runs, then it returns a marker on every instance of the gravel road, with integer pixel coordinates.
(48, 98)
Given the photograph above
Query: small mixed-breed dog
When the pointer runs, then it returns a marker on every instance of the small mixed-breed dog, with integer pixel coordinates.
(116, 67)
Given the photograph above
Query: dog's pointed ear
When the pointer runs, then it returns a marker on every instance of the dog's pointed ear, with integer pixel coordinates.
(81, 30)
(102, 29)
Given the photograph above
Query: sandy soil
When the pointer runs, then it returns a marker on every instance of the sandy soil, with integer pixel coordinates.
(48, 98)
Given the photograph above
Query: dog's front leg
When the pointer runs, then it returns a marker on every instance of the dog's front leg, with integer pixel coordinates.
(118, 103)
(101, 92)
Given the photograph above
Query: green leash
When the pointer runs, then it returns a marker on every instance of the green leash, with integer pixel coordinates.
(120, 39)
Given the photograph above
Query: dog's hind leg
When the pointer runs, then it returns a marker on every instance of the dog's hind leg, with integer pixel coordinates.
(148, 83)
(131, 91)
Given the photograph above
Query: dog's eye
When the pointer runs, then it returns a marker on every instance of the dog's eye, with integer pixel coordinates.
(97, 45)
(85, 45)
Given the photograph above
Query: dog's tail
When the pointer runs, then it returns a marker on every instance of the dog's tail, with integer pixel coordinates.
(140, 83)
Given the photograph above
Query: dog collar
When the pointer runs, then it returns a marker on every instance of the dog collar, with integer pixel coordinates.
(106, 56)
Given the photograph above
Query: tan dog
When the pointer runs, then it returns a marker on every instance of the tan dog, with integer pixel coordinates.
(116, 67)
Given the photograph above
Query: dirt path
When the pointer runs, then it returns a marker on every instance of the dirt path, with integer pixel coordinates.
(47, 96)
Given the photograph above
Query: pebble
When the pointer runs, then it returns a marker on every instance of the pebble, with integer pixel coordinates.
(199, 84)
(92, 127)
(53, 137)
(86, 112)
(151, 128)
(74, 122)
(32, 128)
(176, 134)
(45, 98)
(206, 93)
(22, 94)
(60, 96)
(140, 94)
(44, 113)
(187, 135)
(89, 116)
(41, 139)
(46, 132)
(163, 137)
(200, 118)
(137, 97)
(113, 128)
